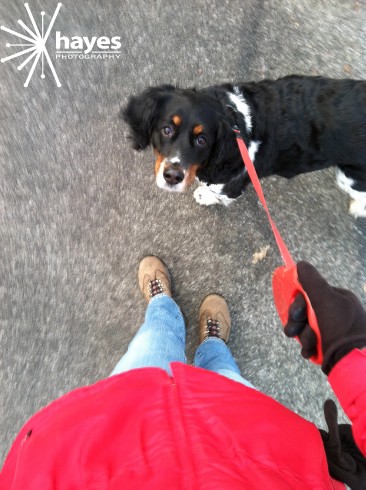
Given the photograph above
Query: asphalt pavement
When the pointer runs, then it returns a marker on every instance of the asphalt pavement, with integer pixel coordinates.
(79, 208)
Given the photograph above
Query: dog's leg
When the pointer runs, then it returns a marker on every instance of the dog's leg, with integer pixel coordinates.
(355, 189)
(207, 195)
(357, 207)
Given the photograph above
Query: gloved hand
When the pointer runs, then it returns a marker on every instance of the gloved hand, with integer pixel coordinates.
(345, 461)
(341, 318)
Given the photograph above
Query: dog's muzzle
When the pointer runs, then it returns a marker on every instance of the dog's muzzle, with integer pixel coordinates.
(173, 175)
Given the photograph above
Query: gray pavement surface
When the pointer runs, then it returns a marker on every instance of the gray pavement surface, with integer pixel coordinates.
(79, 208)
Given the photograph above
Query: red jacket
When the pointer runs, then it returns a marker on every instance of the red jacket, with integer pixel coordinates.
(194, 430)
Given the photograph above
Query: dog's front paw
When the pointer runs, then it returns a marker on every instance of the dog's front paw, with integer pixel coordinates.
(357, 208)
(205, 196)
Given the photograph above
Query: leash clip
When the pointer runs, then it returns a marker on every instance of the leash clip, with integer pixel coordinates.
(236, 130)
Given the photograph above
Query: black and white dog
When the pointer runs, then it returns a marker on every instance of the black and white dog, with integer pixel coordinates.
(293, 125)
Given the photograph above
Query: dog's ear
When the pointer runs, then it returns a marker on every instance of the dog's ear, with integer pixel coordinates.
(141, 112)
(223, 142)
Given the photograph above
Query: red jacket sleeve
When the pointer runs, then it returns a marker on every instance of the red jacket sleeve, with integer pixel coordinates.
(348, 380)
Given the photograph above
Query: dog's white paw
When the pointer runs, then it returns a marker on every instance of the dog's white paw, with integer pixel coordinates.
(204, 196)
(207, 195)
(357, 208)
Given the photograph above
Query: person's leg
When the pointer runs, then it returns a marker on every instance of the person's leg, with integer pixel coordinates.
(213, 353)
(161, 338)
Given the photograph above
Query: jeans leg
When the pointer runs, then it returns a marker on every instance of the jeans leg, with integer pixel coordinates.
(213, 354)
(159, 341)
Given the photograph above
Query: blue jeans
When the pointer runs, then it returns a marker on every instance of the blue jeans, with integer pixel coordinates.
(161, 340)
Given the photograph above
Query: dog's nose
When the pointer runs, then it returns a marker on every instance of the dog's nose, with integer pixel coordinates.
(173, 176)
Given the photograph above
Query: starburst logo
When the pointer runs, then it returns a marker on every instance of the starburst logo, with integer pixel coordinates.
(36, 45)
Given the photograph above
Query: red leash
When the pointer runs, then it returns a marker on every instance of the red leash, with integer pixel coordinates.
(285, 283)
(286, 256)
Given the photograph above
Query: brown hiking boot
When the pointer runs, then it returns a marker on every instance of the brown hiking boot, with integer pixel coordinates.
(154, 277)
(214, 318)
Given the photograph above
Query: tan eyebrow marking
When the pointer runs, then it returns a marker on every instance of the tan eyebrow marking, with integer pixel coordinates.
(177, 120)
(198, 129)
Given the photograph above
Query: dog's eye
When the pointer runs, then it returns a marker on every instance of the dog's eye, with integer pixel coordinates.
(167, 131)
(201, 141)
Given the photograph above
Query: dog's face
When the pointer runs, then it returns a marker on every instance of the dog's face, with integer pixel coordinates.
(183, 127)
(182, 137)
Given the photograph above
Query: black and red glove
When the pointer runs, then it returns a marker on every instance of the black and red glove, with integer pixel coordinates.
(346, 463)
(341, 318)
